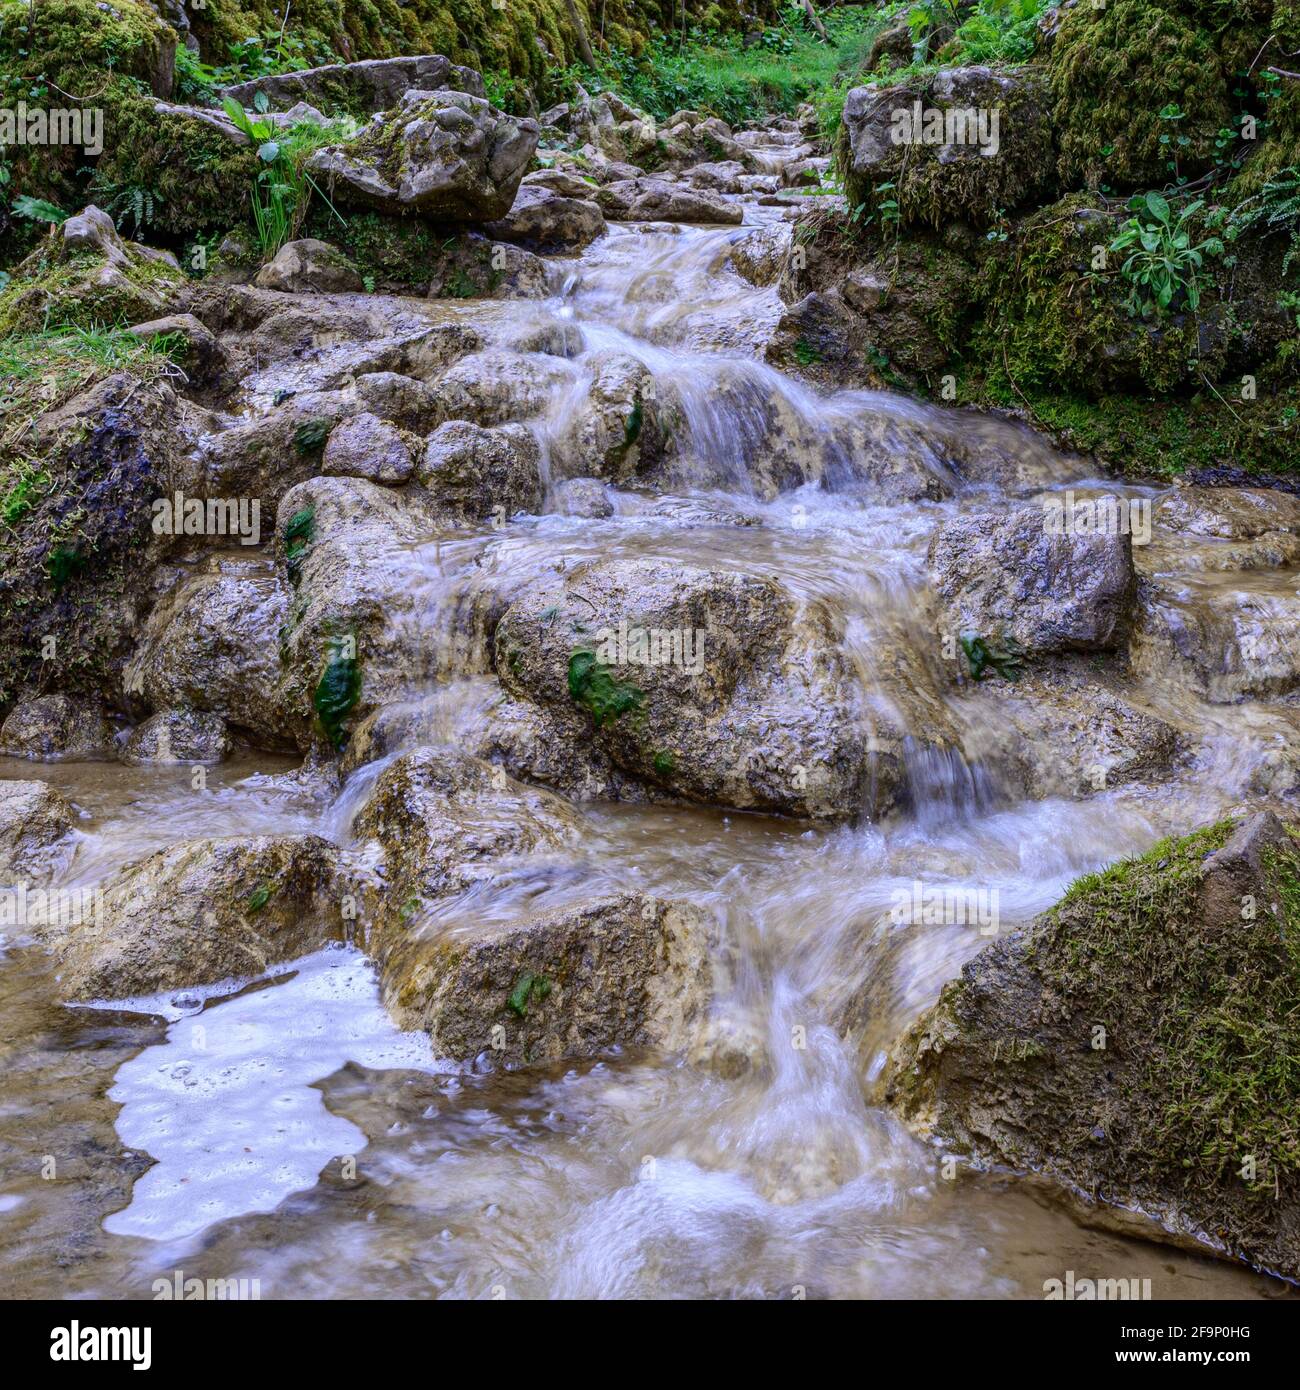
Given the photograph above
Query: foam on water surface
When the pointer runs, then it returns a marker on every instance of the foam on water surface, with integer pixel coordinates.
(226, 1104)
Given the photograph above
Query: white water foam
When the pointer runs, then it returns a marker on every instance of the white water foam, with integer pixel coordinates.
(226, 1103)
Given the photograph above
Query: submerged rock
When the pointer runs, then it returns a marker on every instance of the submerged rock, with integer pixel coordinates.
(178, 736)
(203, 911)
(34, 823)
(1134, 1046)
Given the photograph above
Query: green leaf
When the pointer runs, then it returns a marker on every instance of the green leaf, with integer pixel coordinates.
(269, 152)
(1157, 206)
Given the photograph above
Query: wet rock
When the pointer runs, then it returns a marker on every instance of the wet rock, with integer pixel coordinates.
(261, 458)
(312, 266)
(1066, 734)
(1228, 637)
(476, 475)
(1009, 576)
(1102, 1047)
(864, 290)
(610, 972)
(34, 822)
(709, 685)
(400, 400)
(444, 155)
(582, 497)
(759, 255)
(543, 218)
(361, 629)
(615, 429)
(177, 736)
(656, 200)
(203, 911)
(373, 85)
(55, 727)
(493, 388)
(1237, 514)
(213, 646)
(364, 446)
(447, 821)
(926, 137)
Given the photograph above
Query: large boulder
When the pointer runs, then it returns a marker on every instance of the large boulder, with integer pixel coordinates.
(1134, 1047)
(203, 911)
(709, 685)
(373, 85)
(444, 155)
(961, 143)
(364, 446)
(1016, 577)
(34, 823)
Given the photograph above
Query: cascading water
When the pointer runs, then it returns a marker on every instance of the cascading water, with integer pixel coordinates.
(625, 1177)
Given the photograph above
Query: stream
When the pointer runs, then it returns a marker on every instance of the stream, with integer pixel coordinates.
(288, 1133)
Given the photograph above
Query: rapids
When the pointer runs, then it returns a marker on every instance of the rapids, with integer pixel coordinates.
(302, 1141)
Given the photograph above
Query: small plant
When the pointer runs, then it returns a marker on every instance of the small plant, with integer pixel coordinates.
(310, 436)
(528, 986)
(298, 534)
(984, 654)
(259, 898)
(1161, 261)
(1274, 209)
(39, 210)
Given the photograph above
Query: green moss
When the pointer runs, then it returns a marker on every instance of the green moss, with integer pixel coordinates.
(1220, 1027)
(299, 532)
(594, 686)
(528, 986)
(336, 693)
(310, 436)
(1114, 70)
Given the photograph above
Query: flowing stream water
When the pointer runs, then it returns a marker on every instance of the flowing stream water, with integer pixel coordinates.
(219, 1136)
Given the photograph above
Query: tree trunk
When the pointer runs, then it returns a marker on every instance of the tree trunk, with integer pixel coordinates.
(580, 30)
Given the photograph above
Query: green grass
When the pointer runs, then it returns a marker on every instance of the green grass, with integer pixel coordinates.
(39, 371)
(715, 74)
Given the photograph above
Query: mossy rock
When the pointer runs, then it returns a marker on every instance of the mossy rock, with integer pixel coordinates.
(1114, 70)
(1138, 1045)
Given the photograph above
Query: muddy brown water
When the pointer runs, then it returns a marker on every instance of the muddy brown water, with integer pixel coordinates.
(287, 1134)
